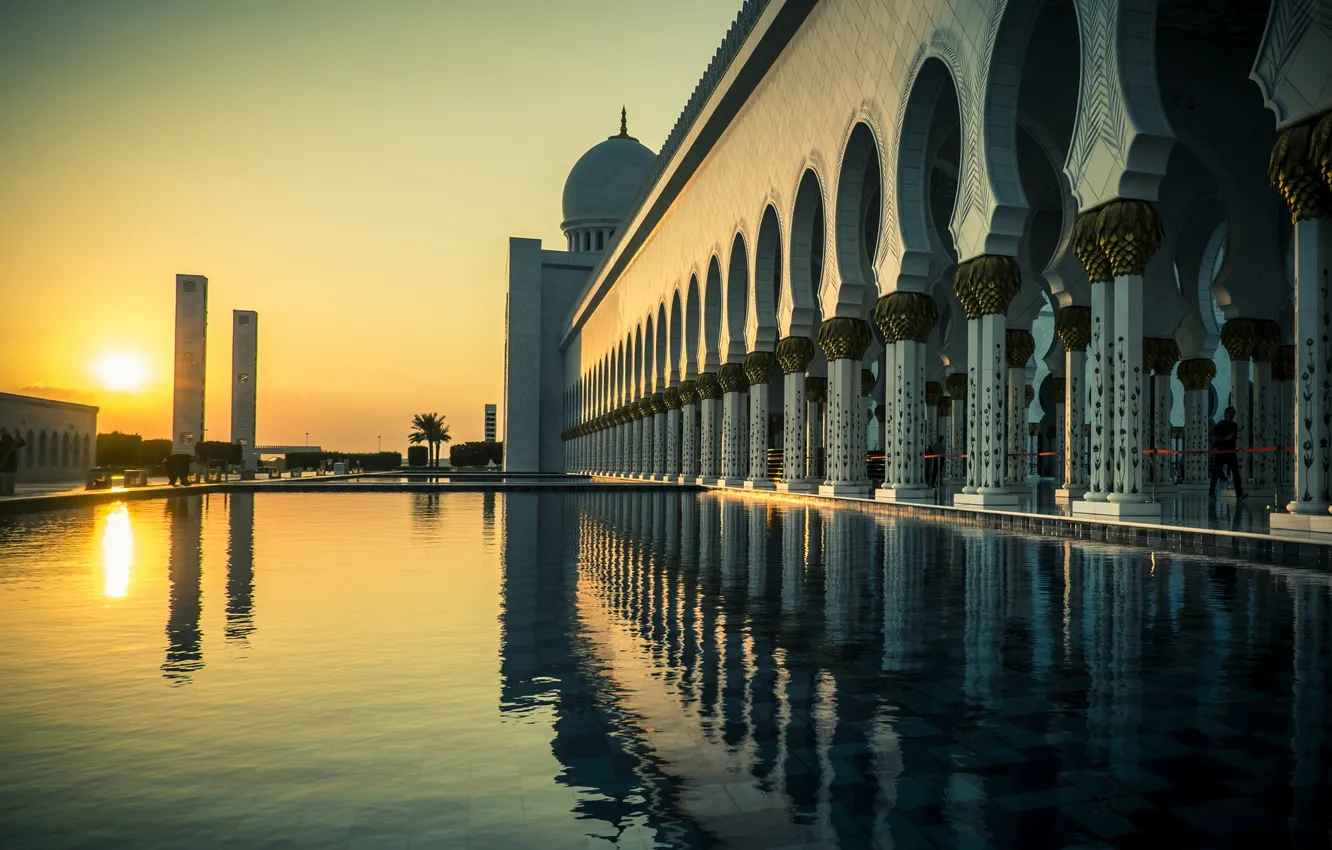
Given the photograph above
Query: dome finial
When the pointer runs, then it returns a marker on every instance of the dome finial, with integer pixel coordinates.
(624, 126)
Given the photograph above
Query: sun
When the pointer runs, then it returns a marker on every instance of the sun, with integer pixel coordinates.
(121, 371)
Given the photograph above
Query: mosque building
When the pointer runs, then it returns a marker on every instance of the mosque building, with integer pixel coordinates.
(1080, 226)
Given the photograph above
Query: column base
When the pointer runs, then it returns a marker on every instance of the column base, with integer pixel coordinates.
(984, 501)
(732, 483)
(1118, 510)
(758, 484)
(1309, 508)
(846, 489)
(802, 486)
(682, 479)
(910, 495)
(707, 480)
(1317, 526)
(1064, 495)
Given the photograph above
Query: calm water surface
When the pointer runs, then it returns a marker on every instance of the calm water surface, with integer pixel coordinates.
(573, 670)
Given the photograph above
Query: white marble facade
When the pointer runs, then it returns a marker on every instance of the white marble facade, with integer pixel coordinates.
(800, 186)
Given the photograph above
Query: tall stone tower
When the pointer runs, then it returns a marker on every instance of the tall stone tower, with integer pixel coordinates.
(187, 417)
(244, 361)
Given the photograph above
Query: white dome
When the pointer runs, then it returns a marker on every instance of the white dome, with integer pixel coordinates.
(605, 180)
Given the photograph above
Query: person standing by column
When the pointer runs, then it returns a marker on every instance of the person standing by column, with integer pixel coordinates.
(9, 455)
(1225, 435)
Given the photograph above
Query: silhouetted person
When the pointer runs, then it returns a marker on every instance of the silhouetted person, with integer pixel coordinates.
(1225, 436)
(934, 464)
(177, 468)
(9, 455)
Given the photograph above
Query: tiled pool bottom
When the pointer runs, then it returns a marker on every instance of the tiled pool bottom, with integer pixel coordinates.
(642, 670)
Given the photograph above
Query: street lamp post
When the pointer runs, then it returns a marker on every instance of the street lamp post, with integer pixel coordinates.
(379, 443)
(307, 439)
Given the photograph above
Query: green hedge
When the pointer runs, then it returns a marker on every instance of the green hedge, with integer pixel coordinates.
(418, 456)
(368, 461)
(129, 451)
(476, 454)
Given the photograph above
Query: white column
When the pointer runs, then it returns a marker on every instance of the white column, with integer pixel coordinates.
(974, 426)
(646, 451)
(1075, 418)
(1015, 423)
(733, 416)
(906, 409)
(1242, 400)
(892, 448)
(816, 451)
(1264, 426)
(957, 430)
(1163, 465)
(1313, 367)
(710, 456)
(1285, 379)
(795, 421)
(1060, 412)
(1130, 403)
(990, 403)
(845, 460)
(659, 445)
(1197, 467)
(689, 439)
(1100, 480)
(760, 400)
(637, 450)
(672, 470)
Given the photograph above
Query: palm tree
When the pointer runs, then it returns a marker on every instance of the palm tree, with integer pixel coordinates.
(429, 428)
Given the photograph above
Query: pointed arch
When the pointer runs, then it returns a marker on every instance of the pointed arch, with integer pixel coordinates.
(674, 321)
(659, 371)
(649, 355)
(761, 325)
(808, 239)
(709, 351)
(857, 221)
(931, 105)
(736, 302)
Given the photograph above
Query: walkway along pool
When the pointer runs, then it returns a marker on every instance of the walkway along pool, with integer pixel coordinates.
(642, 669)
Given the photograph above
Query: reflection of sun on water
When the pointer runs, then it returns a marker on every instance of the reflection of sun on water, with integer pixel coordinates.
(118, 549)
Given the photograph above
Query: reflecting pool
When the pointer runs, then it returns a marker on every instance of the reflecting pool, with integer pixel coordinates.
(642, 669)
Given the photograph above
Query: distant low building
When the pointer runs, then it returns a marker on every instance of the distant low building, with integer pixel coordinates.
(491, 417)
(61, 436)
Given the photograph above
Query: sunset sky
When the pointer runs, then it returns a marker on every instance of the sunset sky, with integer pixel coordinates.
(351, 170)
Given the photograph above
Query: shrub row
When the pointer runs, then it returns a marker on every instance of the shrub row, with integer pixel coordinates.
(476, 454)
(368, 461)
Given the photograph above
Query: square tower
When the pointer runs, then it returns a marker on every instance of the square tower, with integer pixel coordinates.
(187, 416)
(244, 361)
(490, 423)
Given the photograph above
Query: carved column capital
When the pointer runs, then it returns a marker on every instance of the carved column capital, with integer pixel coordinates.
(1266, 340)
(987, 284)
(672, 397)
(759, 366)
(732, 378)
(794, 354)
(1239, 337)
(1058, 388)
(844, 338)
(933, 392)
(867, 382)
(1196, 374)
(688, 392)
(816, 389)
(1301, 169)
(1129, 232)
(957, 384)
(708, 385)
(1019, 346)
(1160, 354)
(906, 316)
(1087, 245)
(1073, 326)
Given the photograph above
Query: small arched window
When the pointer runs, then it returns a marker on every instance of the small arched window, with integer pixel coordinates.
(601, 237)
(29, 450)
(41, 450)
(64, 449)
(587, 240)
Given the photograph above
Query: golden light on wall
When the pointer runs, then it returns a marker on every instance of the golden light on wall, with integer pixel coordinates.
(117, 551)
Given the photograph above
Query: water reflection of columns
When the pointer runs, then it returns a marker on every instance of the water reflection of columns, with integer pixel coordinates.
(840, 551)
(758, 550)
(983, 634)
(734, 531)
(904, 558)
(240, 566)
(1114, 602)
(795, 533)
(184, 652)
(1312, 645)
